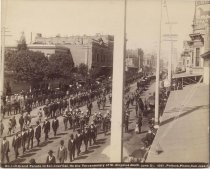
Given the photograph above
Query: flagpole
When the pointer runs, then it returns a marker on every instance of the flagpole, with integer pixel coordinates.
(158, 73)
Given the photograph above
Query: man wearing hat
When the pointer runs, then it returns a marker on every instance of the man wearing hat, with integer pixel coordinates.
(82, 121)
(92, 134)
(46, 127)
(55, 125)
(21, 122)
(78, 141)
(65, 118)
(5, 150)
(50, 158)
(24, 137)
(38, 130)
(148, 139)
(71, 147)
(126, 121)
(30, 137)
(86, 137)
(16, 143)
(62, 152)
(32, 161)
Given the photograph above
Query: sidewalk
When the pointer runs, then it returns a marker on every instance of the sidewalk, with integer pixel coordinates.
(183, 134)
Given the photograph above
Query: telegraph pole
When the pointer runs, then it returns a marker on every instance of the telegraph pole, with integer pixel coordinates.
(171, 36)
(116, 145)
(158, 72)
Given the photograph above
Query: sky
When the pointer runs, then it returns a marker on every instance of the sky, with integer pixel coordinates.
(78, 17)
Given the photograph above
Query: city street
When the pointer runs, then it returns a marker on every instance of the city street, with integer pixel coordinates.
(40, 153)
(132, 141)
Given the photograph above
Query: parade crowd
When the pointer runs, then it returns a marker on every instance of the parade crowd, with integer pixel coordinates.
(67, 105)
(50, 107)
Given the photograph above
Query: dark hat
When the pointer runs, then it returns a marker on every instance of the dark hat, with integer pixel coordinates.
(32, 161)
(50, 152)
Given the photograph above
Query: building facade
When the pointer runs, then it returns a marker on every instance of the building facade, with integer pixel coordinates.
(134, 59)
(94, 51)
(200, 36)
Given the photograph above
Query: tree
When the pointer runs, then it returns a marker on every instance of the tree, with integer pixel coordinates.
(30, 66)
(83, 69)
(8, 89)
(60, 65)
(10, 60)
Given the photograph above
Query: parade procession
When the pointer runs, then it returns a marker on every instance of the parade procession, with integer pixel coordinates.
(102, 84)
(30, 117)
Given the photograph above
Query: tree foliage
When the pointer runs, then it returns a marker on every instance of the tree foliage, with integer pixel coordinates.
(8, 88)
(60, 65)
(83, 69)
(29, 66)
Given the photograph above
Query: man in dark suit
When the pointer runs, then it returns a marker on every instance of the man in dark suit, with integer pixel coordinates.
(50, 158)
(46, 127)
(38, 130)
(21, 122)
(71, 147)
(16, 143)
(55, 125)
(30, 137)
(24, 138)
(78, 141)
(4, 150)
(93, 131)
(86, 137)
(139, 122)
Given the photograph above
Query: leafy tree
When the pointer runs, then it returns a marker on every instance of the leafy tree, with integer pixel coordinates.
(30, 66)
(60, 65)
(10, 60)
(83, 69)
(8, 89)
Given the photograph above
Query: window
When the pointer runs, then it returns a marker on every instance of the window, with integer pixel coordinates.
(197, 56)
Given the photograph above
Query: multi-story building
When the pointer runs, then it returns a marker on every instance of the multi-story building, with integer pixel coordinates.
(134, 59)
(186, 59)
(200, 36)
(94, 51)
(150, 61)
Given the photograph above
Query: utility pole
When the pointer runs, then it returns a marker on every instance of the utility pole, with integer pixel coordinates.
(158, 73)
(171, 39)
(116, 145)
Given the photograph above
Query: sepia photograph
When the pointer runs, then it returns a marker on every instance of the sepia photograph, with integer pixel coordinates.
(105, 83)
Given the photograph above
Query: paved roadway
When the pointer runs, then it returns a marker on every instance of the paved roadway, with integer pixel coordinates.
(131, 141)
(40, 153)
